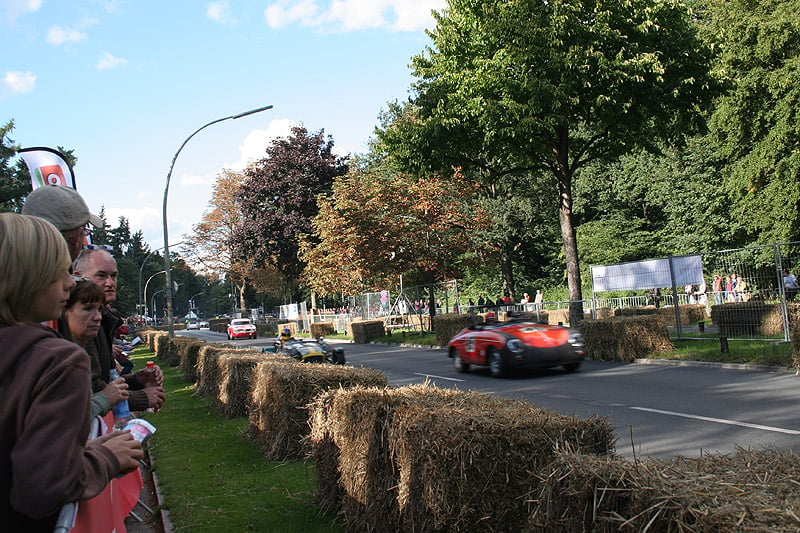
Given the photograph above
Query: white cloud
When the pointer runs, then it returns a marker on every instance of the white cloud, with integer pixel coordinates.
(15, 82)
(58, 35)
(283, 13)
(108, 61)
(13, 9)
(196, 180)
(147, 219)
(352, 15)
(220, 12)
(254, 146)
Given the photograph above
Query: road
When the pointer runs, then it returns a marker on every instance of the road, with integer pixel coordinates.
(659, 411)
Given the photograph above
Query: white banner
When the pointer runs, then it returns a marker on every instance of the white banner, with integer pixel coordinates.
(648, 274)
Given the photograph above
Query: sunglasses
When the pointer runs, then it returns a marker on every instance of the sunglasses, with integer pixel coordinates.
(77, 279)
(105, 247)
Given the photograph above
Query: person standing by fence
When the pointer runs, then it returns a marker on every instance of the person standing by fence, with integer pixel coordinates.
(790, 285)
(717, 288)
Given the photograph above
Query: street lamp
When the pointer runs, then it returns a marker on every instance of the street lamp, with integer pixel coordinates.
(145, 288)
(167, 263)
(191, 300)
(153, 307)
(142, 296)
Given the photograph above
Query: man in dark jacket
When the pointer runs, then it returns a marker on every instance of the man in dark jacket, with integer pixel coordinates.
(145, 386)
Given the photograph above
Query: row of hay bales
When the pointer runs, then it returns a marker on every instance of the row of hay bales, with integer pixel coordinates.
(419, 458)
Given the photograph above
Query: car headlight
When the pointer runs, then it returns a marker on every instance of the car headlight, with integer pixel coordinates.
(515, 346)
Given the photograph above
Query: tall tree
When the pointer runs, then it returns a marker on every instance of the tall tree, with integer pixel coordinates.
(556, 85)
(379, 224)
(757, 123)
(278, 198)
(210, 245)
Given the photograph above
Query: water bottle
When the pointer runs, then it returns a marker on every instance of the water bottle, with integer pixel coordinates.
(151, 366)
(122, 414)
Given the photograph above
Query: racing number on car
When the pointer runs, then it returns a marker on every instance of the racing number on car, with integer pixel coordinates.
(471, 344)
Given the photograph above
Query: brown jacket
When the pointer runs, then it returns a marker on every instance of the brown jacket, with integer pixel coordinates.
(45, 461)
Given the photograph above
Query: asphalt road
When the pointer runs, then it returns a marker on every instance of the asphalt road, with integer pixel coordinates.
(659, 411)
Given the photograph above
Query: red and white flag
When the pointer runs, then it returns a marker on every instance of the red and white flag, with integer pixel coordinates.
(47, 167)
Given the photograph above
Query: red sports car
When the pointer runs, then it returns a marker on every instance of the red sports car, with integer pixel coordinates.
(518, 344)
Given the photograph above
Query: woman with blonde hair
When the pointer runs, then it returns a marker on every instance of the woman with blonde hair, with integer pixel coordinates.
(45, 460)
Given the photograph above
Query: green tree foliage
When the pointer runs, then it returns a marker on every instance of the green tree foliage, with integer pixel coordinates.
(577, 81)
(652, 205)
(279, 199)
(13, 184)
(757, 122)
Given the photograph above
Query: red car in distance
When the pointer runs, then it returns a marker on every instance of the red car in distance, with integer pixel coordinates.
(241, 328)
(522, 344)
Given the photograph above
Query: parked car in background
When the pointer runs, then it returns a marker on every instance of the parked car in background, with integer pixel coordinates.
(508, 346)
(204, 324)
(193, 324)
(241, 328)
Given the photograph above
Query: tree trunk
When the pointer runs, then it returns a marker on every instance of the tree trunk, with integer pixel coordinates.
(570, 252)
(242, 304)
(507, 271)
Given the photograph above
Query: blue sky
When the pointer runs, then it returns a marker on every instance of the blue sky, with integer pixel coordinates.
(125, 82)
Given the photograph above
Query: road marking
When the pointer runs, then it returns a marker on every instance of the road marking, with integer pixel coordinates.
(434, 376)
(720, 421)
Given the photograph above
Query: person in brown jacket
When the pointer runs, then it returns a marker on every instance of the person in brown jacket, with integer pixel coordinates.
(45, 460)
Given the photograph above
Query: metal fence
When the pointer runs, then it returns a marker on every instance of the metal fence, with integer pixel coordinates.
(747, 292)
(742, 291)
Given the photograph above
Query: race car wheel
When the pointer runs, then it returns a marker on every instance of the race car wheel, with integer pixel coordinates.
(495, 362)
(229, 336)
(339, 357)
(255, 335)
(458, 364)
(571, 367)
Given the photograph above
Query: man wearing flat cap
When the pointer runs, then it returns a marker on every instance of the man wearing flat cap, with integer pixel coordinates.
(65, 209)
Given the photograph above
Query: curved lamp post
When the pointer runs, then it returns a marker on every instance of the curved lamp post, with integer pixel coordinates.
(142, 296)
(167, 262)
(145, 289)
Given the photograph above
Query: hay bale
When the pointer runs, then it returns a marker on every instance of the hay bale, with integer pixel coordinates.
(540, 317)
(419, 458)
(748, 491)
(279, 416)
(366, 330)
(291, 325)
(637, 311)
(161, 346)
(236, 376)
(208, 369)
(624, 338)
(603, 312)
(558, 316)
(448, 325)
(471, 465)
(356, 477)
(752, 319)
(177, 349)
(322, 329)
(189, 357)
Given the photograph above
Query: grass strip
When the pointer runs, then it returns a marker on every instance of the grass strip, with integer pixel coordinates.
(213, 478)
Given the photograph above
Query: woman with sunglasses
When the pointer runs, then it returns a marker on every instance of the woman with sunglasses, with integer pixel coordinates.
(81, 323)
(45, 460)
